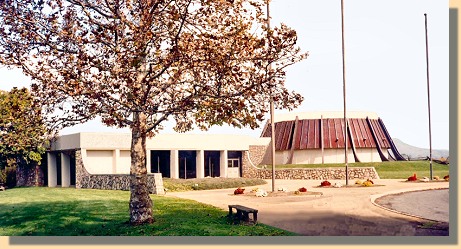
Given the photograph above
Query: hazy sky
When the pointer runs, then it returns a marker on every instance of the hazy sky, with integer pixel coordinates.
(385, 64)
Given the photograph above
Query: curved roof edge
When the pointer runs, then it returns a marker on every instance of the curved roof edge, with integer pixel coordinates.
(325, 114)
(180, 141)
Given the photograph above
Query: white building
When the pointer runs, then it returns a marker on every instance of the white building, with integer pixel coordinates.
(102, 160)
(173, 155)
(318, 137)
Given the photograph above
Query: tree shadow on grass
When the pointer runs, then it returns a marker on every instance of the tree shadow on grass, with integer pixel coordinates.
(173, 217)
(56, 218)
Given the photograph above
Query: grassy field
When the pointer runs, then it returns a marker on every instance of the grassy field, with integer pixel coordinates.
(174, 185)
(388, 170)
(84, 212)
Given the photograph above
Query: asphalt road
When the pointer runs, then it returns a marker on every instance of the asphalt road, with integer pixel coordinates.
(428, 204)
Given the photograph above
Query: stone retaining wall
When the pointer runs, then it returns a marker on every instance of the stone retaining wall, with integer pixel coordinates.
(254, 156)
(112, 181)
(315, 173)
(257, 154)
(26, 176)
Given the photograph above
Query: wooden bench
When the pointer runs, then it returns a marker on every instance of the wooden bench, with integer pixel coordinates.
(243, 213)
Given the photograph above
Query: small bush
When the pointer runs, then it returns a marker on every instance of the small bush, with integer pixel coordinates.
(303, 189)
(239, 191)
(412, 178)
(325, 184)
(8, 176)
(367, 183)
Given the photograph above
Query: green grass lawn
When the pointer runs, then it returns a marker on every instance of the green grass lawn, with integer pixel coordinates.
(85, 212)
(388, 170)
(174, 185)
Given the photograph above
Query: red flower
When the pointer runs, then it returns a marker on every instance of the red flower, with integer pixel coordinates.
(239, 191)
(412, 178)
(303, 189)
(325, 184)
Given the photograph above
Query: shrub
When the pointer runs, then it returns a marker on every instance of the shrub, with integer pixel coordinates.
(412, 178)
(303, 189)
(325, 184)
(446, 178)
(261, 193)
(8, 176)
(239, 191)
(425, 179)
(367, 183)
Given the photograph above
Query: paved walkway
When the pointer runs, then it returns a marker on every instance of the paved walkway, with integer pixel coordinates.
(427, 204)
(338, 211)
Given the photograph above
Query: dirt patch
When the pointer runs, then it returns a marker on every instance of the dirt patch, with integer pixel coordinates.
(351, 186)
(282, 194)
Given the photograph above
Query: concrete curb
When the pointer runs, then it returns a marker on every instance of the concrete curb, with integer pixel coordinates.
(373, 199)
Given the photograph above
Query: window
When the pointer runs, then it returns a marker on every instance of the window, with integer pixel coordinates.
(233, 163)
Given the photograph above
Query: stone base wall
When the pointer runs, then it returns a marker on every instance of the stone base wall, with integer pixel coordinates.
(257, 155)
(26, 176)
(254, 156)
(316, 173)
(112, 181)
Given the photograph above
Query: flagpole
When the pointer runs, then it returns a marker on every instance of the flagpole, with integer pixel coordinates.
(271, 110)
(428, 97)
(344, 92)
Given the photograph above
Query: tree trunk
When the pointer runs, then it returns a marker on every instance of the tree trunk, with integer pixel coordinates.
(140, 201)
(37, 175)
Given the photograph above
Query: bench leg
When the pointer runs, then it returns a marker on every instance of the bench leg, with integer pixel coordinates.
(246, 216)
(239, 214)
(255, 217)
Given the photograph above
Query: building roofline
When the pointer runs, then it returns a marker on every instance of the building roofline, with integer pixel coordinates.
(324, 114)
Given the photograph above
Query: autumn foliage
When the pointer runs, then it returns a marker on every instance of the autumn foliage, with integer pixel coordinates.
(22, 134)
(140, 63)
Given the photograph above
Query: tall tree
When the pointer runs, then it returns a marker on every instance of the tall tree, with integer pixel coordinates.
(22, 131)
(138, 63)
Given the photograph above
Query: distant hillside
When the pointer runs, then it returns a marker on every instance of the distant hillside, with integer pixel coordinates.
(418, 153)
